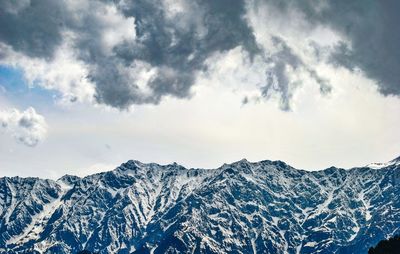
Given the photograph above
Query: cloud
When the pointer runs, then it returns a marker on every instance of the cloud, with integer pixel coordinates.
(375, 39)
(169, 40)
(27, 127)
(174, 41)
(370, 33)
(123, 53)
(292, 49)
(32, 27)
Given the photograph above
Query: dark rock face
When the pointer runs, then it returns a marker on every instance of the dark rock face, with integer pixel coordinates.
(390, 246)
(263, 207)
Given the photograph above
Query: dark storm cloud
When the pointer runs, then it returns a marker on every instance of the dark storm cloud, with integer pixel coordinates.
(31, 27)
(178, 50)
(177, 46)
(372, 28)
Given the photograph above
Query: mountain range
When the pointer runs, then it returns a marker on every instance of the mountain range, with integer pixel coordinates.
(242, 207)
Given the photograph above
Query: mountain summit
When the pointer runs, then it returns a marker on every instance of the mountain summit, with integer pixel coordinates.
(243, 207)
(396, 160)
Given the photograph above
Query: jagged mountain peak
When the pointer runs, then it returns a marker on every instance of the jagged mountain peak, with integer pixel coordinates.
(69, 179)
(135, 164)
(396, 159)
(378, 165)
(242, 161)
(242, 207)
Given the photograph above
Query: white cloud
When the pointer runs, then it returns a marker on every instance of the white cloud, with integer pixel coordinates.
(233, 70)
(185, 15)
(293, 49)
(27, 127)
(113, 27)
(64, 73)
(292, 26)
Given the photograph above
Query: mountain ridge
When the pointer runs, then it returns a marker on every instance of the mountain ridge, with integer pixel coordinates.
(242, 207)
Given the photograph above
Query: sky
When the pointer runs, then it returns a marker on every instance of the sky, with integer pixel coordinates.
(88, 85)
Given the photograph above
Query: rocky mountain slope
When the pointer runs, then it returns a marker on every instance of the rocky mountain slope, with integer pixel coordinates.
(243, 207)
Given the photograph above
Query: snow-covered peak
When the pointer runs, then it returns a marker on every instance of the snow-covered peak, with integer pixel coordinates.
(379, 165)
(397, 160)
(242, 207)
(68, 179)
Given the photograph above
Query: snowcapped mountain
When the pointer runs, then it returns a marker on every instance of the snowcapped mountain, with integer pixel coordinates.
(243, 207)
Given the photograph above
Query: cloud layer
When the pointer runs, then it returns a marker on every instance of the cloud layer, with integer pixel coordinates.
(27, 127)
(122, 53)
(371, 33)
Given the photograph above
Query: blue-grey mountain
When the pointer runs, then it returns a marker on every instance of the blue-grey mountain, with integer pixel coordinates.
(243, 207)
